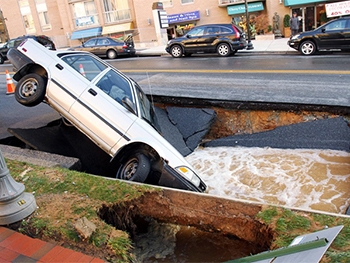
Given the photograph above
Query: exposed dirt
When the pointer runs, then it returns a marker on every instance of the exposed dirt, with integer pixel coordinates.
(182, 208)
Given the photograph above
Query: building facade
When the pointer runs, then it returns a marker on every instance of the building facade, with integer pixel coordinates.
(70, 22)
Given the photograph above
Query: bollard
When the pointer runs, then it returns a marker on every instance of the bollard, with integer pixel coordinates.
(15, 205)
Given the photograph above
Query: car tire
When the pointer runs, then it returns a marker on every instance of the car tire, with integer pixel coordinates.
(307, 48)
(136, 168)
(112, 54)
(30, 90)
(2, 60)
(223, 50)
(176, 51)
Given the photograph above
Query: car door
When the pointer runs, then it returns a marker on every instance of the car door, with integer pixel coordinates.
(70, 76)
(100, 110)
(101, 46)
(346, 34)
(209, 40)
(192, 38)
(332, 35)
(89, 45)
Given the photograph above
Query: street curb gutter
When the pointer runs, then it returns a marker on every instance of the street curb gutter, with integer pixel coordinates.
(39, 158)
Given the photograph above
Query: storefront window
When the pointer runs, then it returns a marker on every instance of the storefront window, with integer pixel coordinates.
(85, 14)
(167, 3)
(116, 10)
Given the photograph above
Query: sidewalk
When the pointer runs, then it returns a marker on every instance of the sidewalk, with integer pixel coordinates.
(278, 45)
(18, 248)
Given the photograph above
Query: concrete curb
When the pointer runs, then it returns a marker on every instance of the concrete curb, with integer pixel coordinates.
(39, 158)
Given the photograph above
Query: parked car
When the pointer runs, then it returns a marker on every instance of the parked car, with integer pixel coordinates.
(108, 47)
(335, 34)
(12, 43)
(107, 106)
(223, 39)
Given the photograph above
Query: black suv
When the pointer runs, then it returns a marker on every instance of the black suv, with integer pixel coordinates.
(223, 39)
(44, 40)
(335, 34)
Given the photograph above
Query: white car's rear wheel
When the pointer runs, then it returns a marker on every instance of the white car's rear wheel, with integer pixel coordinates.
(30, 90)
(135, 168)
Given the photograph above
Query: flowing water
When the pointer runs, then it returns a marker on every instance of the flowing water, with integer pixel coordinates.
(302, 178)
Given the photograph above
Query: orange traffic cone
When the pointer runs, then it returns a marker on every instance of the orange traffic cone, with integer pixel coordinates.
(81, 70)
(9, 82)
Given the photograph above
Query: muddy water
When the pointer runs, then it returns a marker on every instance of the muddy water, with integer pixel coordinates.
(308, 179)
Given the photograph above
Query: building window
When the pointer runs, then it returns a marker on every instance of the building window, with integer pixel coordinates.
(84, 13)
(116, 10)
(167, 3)
(27, 16)
(186, 1)
(41, 9)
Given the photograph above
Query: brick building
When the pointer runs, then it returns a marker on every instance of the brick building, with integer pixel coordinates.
(69, 22)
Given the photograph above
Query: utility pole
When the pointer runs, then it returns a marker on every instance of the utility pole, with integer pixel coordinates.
(250, 45)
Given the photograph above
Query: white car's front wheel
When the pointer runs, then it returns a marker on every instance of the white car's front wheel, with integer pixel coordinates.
(135, 168)
(30, 90)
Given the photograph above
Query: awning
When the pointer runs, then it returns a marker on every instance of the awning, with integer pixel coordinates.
(301, 2)
(240, 9)
(91, 32)
(117, 28)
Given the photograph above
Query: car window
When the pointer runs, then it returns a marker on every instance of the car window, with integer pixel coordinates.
(90, 43)
(196, 32)
(11, 43)
(146, 108)
(102, 42)
(225, 30)
(336, 25)
(86, 65)
(115, 85)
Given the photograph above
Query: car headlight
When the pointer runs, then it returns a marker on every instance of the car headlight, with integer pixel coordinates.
(295, 37)
(189, 174)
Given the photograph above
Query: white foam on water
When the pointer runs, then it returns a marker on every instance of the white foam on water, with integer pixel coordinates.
(303, 178)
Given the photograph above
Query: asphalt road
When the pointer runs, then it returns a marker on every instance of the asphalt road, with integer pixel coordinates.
(293, 79)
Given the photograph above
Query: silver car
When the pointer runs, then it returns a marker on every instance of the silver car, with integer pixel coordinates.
(105, 105)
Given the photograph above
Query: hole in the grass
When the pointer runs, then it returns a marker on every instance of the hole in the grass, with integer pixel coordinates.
(159, 240)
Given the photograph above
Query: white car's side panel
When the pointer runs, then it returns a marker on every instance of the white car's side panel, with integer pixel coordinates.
(106, 118)
(56, 88)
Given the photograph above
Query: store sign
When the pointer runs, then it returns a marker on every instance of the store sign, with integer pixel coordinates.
(84, 21)
(240, 9)
(338, 9)
(163, 19)
(189, 16)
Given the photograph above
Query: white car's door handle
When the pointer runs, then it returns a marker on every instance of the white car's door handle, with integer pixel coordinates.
(93, 92)
(59, 66)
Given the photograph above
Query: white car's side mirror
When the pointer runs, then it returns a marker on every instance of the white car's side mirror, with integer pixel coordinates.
(128, 104)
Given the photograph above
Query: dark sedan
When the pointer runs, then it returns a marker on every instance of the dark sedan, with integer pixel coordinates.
(335, 34)
(108, 47)
(223, 39)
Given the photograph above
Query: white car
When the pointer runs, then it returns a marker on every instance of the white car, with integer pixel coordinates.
(107, 106)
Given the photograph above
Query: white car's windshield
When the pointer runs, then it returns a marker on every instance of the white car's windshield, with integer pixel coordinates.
(146, 108)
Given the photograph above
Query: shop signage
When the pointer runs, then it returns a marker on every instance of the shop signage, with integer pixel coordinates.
(189, 16)
(163, 19)
(338, 9)
(240, 9)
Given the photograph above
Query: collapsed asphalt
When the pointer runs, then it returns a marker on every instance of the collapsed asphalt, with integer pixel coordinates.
(185, 129)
